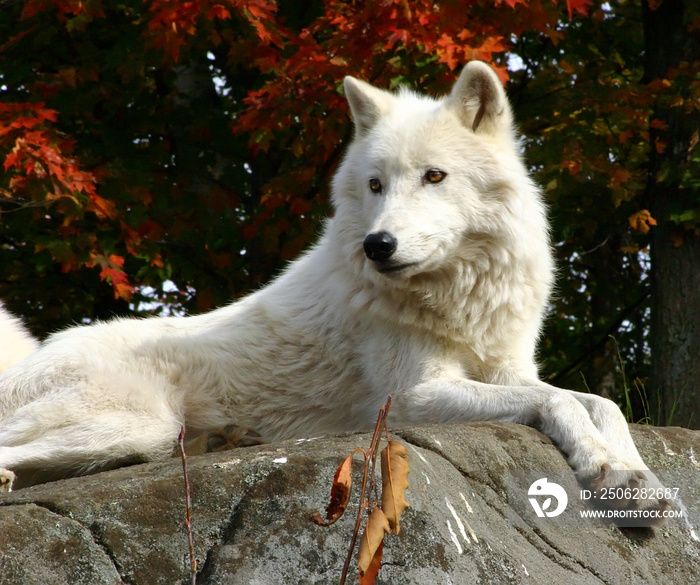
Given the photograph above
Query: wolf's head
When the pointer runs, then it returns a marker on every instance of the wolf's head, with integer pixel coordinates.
(426, 183)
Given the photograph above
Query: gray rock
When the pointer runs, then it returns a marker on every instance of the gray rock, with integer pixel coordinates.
(251, 518)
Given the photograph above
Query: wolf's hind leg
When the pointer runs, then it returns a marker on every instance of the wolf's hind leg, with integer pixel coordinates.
(99, 442)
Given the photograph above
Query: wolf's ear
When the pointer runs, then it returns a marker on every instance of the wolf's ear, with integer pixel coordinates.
(367, 103)
(479, 100)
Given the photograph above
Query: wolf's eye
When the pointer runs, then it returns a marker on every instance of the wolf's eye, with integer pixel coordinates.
(434, 176)
(375, 185)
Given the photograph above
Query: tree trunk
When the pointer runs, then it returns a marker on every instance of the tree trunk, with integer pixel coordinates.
(674, 391)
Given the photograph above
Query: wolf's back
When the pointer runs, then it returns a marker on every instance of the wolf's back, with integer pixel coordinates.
(16, 342)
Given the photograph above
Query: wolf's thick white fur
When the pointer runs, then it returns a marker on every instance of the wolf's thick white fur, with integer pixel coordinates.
(441, 309)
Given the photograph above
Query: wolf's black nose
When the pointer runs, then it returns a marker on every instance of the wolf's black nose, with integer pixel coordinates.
(380, 246)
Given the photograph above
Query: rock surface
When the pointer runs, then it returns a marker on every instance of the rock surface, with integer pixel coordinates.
(251, 518)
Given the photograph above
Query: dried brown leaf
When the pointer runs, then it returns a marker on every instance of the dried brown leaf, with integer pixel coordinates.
(370, 575)
(372, 539)
(340, 493)
(395, 470)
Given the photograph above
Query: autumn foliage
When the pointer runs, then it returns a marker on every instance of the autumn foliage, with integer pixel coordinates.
(114, 153)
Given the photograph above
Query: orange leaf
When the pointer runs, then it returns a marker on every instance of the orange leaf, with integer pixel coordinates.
(218, 11)
(642, 221)
(102, 207)
(12, 160)
(340, 493)
(621, 176)
(394, 482)
(372, 539)
(370, 575)
(573, 166)
(117, 260)
(580, 6)
(659, 124)
(123, 291)
(112, 272)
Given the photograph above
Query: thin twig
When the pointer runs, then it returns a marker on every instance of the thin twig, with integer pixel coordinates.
(188, 500)
(374, 447)
(370, 457)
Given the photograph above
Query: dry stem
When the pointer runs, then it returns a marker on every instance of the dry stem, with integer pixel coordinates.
(188, 500)
(370, 459)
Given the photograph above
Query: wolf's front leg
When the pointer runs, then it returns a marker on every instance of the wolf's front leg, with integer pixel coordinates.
(612, 466)
(609, 420)
(557, 413)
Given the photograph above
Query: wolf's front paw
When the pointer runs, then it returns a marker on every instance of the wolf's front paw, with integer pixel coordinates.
(6, 480)
(232, 436)
(638, 494)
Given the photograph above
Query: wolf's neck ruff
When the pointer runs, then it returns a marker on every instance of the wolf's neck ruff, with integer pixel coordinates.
(443, 255)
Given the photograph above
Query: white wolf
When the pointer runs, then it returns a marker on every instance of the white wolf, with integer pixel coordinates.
(429, 283)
